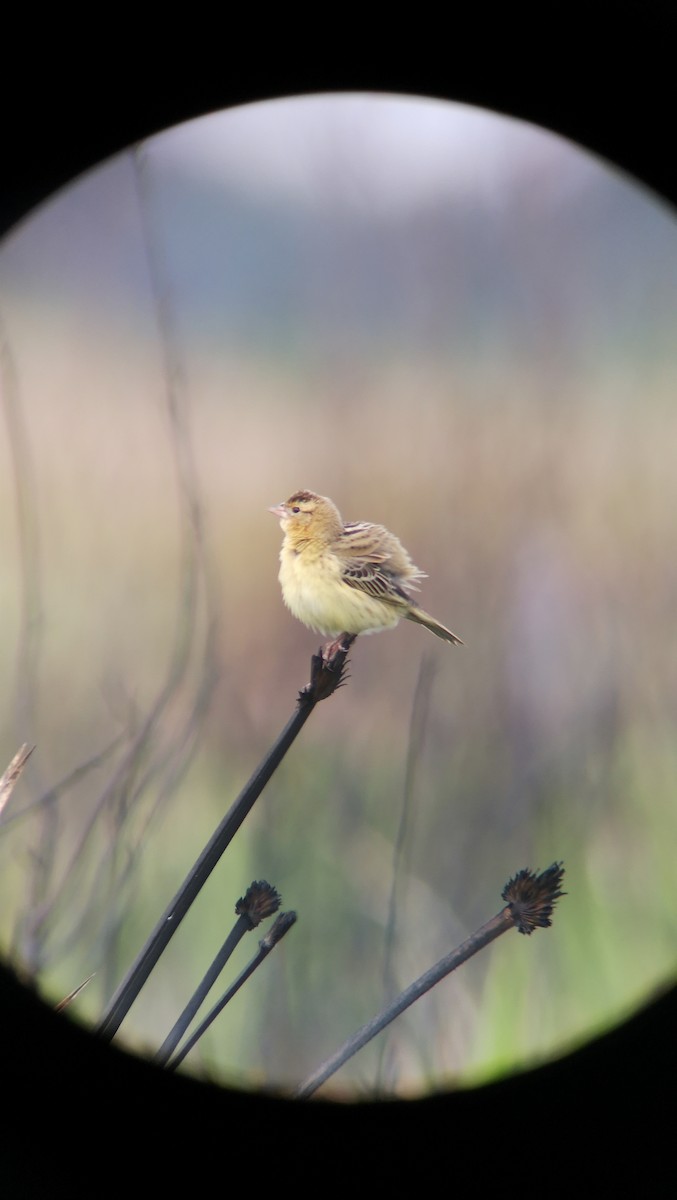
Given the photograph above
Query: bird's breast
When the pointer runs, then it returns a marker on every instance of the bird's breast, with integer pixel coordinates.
(314, 590)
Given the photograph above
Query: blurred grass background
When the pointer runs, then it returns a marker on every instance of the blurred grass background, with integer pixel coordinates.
(487, 365)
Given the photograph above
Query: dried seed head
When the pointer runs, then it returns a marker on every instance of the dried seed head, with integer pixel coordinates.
(259, 901)
(531, 897)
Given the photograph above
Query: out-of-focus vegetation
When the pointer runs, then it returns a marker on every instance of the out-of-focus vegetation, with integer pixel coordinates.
(497, 383)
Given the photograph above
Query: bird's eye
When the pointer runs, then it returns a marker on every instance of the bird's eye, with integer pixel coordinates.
(296, 508)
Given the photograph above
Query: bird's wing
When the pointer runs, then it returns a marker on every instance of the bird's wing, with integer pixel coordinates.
(368, 578)
(374, 561)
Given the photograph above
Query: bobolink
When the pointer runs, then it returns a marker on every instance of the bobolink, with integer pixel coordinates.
(340, 578)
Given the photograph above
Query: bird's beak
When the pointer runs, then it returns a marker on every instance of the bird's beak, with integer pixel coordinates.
(278, 510)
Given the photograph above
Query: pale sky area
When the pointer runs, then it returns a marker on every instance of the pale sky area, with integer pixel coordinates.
(387, 150)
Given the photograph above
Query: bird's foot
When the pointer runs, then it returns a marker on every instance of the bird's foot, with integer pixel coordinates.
(327, 669)
(340, 645)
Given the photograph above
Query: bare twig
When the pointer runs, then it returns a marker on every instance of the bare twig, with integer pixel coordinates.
(260, 901)
(143, 760)
(530, 901)
(282, 926)
(57, 789)
(326, 677)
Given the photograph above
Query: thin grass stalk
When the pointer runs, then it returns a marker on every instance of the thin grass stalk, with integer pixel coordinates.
(282, 926)
(486, 934)
(417, 731)
(530, 900)
(243, 925)
(10, 777)
(57, 789)
(260, 900)
(240, 928)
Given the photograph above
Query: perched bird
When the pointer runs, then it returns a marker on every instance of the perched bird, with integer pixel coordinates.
(340, 578)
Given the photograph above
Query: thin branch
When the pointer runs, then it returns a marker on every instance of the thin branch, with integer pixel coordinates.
(326, 677)
(282, 926)
(261, 900)
(67, 782)
(530, 901)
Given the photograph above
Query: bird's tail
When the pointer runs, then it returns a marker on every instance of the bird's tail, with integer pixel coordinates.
(424, 618)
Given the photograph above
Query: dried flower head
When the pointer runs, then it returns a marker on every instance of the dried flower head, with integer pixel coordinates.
(531, 897)
(260, 900)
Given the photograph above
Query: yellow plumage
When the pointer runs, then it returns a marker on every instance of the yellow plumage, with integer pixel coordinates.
(352, 578)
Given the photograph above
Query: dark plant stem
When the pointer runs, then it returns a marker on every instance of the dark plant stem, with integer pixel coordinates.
(282, 925)
(242, 926)
(326, 676)
(486, 934)
(530, 901)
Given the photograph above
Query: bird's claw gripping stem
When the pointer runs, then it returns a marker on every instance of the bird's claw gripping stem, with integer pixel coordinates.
(327, 669)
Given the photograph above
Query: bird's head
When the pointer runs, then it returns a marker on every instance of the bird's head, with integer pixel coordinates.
(306, 516)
